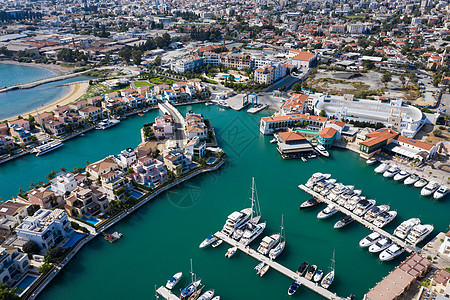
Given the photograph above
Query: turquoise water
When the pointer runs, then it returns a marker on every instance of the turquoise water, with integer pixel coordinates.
(11, 74)
(160, 238)
(17, 102)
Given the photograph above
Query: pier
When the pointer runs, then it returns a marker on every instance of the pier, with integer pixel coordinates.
(408, 247)
(278, 267)
(166, 293)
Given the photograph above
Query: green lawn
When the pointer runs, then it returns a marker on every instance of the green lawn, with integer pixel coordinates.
(141, 83)
(161, 80)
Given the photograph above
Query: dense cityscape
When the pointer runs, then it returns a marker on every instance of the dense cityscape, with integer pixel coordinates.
(172, 107)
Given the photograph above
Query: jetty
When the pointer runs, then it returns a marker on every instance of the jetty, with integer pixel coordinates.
(166, 293)
(279, 267)
(408, 247)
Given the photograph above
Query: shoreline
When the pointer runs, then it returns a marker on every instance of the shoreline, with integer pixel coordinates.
(76, 91)
(55, 68)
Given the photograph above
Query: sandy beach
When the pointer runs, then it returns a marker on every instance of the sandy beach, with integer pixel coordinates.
(76, 91)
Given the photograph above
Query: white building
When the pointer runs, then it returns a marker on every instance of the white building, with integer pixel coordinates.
(46, 227)
(12, 263)
(194, 147)
(63, 183)
(163, 127)
(126, 158)
(211, 58)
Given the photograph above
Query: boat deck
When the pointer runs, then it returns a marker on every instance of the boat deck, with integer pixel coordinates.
(408, 247)
(278, 267)
(166, 293)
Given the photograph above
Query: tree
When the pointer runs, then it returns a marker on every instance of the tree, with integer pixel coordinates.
(125, 53)
(386, 78)
(137, 57)
(437, 79)
(297, 87)
(437, 132)
(322, 113)
(31, 247)
(402, 80)
(45, 268)
(158, 60)
(8, 294)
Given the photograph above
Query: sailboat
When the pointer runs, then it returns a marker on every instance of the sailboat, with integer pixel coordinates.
(192, 287)
(48, 146)
(328, 279)
(253, 228)
(275, 252)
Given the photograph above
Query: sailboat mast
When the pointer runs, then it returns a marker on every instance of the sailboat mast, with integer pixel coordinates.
(253, 199)
(192, 272)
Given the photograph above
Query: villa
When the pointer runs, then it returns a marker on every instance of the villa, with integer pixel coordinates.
(149, 171)
(163, 127)
(63, 183)
(175, 161)
(113, 184)
(101, 167)
(85, 200)
(12, 214)
(195, 126)
(13, 264)
(45, 198)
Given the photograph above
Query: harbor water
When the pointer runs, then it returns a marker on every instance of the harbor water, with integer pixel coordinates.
(11, 74)
(160, 238)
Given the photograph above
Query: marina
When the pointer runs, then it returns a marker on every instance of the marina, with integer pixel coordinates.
(408, 247)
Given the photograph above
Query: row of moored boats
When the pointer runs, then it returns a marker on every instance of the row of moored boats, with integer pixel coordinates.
(193, 291)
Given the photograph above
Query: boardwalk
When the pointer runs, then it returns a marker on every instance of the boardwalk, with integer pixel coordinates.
(408, 247)
(166, 294)
(278, 267)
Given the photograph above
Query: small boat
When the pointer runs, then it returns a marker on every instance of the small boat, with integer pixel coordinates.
(430, 188)
(196, 294)
(382, 168)
(208, 241)
(275, 252)
(405, 227)
(384, 218)
(207, 295)
(327, 280)
(141, 114)
(369, 240)
(302, 268)
(311, 271)
(380, 245)
(441, 192)
(371, 161)
(190, 289)
(322, 151)
(390, 253)
(391, 172)
(343, 222)
(419, 233)
(259, 266)
(318, 276)
(112, 237)
(310, 203)
(327, 212)
(401, 175)
(263, 271)
(293, 288)
(172, 282)
(217, 243)
(411, 179)
(216, 298)
(273, 141)
(303, 159)
(145, 110)
(363, 206)
(230, 252)
(421, 183)
(209, 103)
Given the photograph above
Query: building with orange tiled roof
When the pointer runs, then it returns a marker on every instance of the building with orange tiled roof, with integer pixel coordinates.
(292, 144)
(269, 125)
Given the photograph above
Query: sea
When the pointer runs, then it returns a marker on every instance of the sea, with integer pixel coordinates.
(162, 237)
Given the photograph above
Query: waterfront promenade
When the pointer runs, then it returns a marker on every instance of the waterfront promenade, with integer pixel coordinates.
(408, 247)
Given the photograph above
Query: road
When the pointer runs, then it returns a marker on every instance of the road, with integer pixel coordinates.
(180, 134)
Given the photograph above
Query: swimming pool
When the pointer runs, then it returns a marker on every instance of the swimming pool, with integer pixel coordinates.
(136, 194)
(25, 283)
(211, 160)
(237, 78)
(307, 131)
(74, 239)
(90, 219)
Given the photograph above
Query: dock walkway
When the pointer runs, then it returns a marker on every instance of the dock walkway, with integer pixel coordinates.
(408, 247)
(166, 293)
(278, 267)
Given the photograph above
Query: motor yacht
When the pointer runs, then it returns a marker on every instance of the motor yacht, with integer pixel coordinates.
(382, 168)
(321, 150)
(311, 271)
(363, 206)
(47, 147)
(343, 222)
(302, 268)
(315, 178)
(275, 252)
(251, 234)
(421, 183)
(327, 212)
(172, 282)
(372, 213)
(369, 240)
(208, 241)
(390, 253)
(441, 192)
(380, 245)
(419, 233)
(405, 227)
(411, 179)
(351, 204)
(318, 276)
(345, 196)
(384, 218)
(230, 252)
(263, 270)
(328, 280)
(391, 172)
(310, 203)
(337, 191)
(293, 288)
(401, 175)
(187, 291)
(207, 295)
(268, 243)
(430, 188)
(235, 220)
(371, 161)
(106, 123)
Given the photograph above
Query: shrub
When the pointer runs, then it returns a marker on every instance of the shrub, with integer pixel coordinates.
(31, 247)
(45, 268)
(75, 225)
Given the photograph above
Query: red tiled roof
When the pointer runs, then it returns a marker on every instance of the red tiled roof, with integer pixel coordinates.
(327, 133)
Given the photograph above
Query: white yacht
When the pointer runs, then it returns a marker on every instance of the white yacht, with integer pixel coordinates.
(430, 188)
(363, 206)
(390, 253)
(275, 252)
(336, 191)
(380, 245)
(351, 204)
(382, 168)
(172, 282)
(369, 240)
(329, 278)
(441, 192)
(384, 218)
(318, 276)
(420, 183)
(46, 148)
(315, 178)
(327, 189)
(230, 252)
(401, 175)
(268, 243)
(322, 151)
(405, 227)
(207, 295)
(373, 213)
(106, 123)
(371, 161)
(235, 220)
(251, 234)
(411, 179)
(208, 241)
(418, 233)
(327, 212)
(345, 196)
(391, 172)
